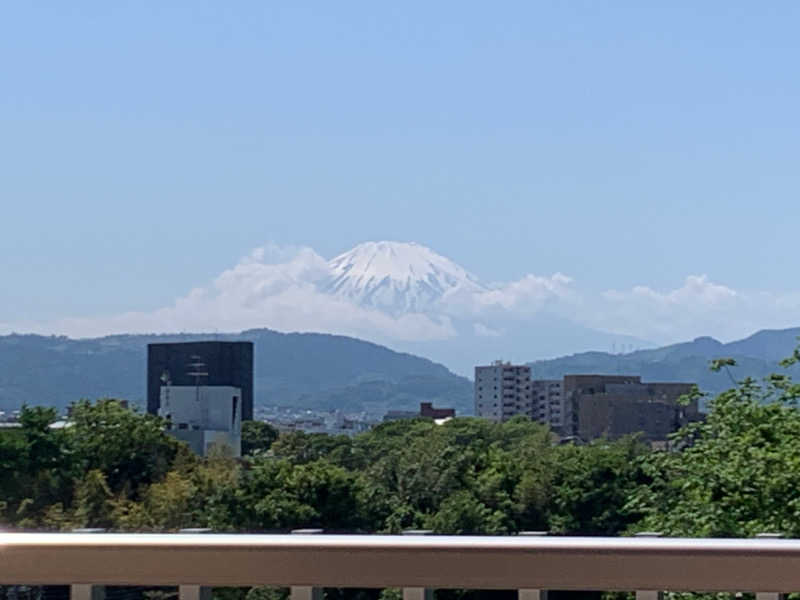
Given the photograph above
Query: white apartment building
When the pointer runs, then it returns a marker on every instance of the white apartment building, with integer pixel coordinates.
(502, 391)
(204, 416)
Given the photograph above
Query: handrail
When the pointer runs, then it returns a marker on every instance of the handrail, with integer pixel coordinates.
(512, 562)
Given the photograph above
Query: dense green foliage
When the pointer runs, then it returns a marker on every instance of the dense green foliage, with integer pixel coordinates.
(738, 473)
(735, 474)
(116, 468)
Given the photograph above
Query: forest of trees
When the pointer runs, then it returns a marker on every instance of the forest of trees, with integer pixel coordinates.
(737, 473)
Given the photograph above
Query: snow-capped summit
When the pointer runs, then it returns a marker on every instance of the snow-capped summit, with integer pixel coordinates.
(396, 276)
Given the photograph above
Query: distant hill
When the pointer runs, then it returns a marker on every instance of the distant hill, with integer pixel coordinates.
(756, 356)
(321, 371)
(296, 369)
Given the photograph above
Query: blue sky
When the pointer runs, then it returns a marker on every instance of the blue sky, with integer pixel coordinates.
(146, 147)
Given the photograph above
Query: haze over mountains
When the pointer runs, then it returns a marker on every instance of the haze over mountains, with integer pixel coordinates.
(328, 372)
(756, 356)
(411, 299)
(476, 322)
(403, 295)
(301, 369)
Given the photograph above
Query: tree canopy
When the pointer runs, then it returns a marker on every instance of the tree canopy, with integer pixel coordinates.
(737, 473)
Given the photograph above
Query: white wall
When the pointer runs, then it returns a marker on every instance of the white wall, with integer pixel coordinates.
(213, 413)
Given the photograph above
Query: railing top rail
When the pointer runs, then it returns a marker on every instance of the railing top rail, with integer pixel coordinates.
(489, 562)
(511, 543)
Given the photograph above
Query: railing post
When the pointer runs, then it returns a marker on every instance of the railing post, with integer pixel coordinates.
(194, 592)
(81, 591)
(530, 594)
(769, 595)
(649, 594)
(410, 593)
(304, 592)
(417, 593)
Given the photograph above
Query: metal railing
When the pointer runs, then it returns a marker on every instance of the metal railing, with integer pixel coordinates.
(417, 563)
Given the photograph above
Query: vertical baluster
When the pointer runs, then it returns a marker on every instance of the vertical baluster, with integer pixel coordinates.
(417, 593)
(194, 592)
(304, 592)
(769, 595)
(414, 593)
(80, 591)
(649, 594)
(530, 594)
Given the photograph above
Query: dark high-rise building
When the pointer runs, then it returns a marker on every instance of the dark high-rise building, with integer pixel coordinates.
(224, 363)
(612, 406)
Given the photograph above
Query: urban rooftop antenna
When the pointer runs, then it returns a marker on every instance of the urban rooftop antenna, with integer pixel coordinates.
(197, 369)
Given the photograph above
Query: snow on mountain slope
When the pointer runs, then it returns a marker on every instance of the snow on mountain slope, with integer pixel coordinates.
(396, 277)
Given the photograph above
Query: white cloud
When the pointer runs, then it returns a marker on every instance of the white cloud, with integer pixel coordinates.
(698, 307)
(484, 331)
(279, 288)
(532, 294)
(258, 292)
(525, 297)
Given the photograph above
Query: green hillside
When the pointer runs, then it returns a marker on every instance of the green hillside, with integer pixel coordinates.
(756, 356)
(297, 369)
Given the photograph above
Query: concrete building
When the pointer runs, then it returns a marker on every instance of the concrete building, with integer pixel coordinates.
(584, 407)
(399, 415)
(223, 364)
(549, 407)
(612, 406)
(502, 391)
(426, 410)
(204, 416)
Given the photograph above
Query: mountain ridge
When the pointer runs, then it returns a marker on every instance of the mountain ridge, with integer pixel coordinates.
(756, 355)
(326, 371)
(398, 278)
(308, 370)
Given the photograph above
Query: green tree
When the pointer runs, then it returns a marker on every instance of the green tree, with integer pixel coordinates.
(276, 494)
(257, 436)
(300, 447)
(736, 474)
(463, 513)
(130, 449)
(93, 501)
(37, 468)
(591, 487)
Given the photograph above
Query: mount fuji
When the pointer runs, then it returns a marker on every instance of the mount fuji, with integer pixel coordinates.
(396, 294)
(488, 322)
(397, 277)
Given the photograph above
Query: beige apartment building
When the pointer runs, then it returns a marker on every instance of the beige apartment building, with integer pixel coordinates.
(549, 407)
(502, 391)
(584, 407)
